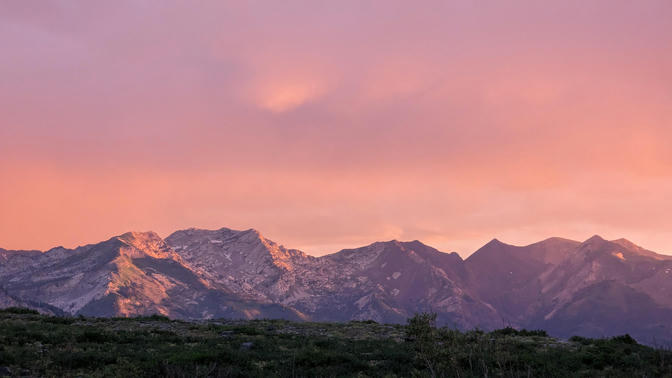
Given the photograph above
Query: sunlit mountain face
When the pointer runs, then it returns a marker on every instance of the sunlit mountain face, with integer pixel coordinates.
(593, 288)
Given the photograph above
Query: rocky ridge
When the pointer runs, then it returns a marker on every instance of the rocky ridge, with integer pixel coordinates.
(596, 288)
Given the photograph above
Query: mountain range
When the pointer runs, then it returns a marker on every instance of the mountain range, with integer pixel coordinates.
(593, 288)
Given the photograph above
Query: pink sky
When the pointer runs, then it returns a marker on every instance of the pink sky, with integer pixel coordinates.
(335, 124)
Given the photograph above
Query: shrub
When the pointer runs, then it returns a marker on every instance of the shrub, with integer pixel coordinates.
(625, 339)
(369, 321)
(422, 334)
(20, 310)
(504, 331)
(510, 331)
(95, 336)
(156, 318)
(59, 320)
(580, 340)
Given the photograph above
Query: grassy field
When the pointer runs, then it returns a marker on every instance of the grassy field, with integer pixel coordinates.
(37, 345)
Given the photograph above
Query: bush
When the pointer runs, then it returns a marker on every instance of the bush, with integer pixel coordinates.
(534, 332)
(369, 321)
(510, 331)
(625, 339)
(96, 336)
(580, 339)
(153, 317)
(59, 320)
(20, 310)
(421, 327)
(504, 331)
(421, 332)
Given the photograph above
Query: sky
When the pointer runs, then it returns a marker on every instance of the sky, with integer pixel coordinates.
(329, 125)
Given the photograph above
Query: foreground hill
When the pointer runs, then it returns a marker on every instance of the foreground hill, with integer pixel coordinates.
(38, 345)
(594, 288)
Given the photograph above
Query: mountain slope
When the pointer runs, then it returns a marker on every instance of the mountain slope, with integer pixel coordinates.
(8, 300)
(596, 288)
(507, 276)
(597, 260)
(132, 274)
(14, 261)
(386, 281)
(609, 308)
(243, 262)
(390, 281)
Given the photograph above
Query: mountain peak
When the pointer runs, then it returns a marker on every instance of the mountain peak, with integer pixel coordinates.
(494, 243)
(136, 235)
(595, 239)
(626, 244)
(252, 234)
(494, 249)
(403, 245)
(555, 239)
(387, 243)
(638, 250)
(147, 243)
(141, 240)
(233, 252)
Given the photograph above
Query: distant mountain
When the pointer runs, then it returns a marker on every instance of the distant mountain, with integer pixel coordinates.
(243, 262)
(131, 274)
(601, 275)
(594, 288)
(386, 281)
(389, 282)
(610, 308)
(508, 277)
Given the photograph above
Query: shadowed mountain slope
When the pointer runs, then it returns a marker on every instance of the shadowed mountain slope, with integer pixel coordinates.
(596, 288)
(390, 281)
(508, 277)
(609, 308)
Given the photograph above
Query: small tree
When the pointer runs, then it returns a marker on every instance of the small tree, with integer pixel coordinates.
(422, 333)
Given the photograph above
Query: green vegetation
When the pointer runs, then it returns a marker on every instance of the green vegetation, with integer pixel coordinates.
(19, 310)
(38, 345)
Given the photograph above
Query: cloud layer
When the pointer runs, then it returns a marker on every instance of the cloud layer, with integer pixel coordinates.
(327, 125)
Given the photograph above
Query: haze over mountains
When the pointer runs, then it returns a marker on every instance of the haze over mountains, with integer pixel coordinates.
(594, 288)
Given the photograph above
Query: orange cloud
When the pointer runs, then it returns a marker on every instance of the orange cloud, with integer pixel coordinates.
(281, 97)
